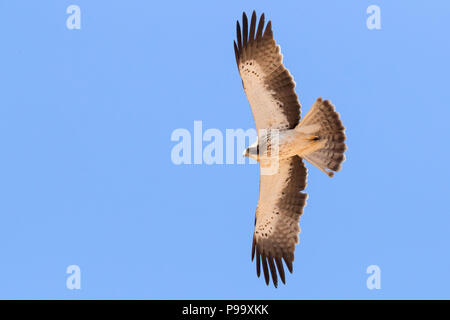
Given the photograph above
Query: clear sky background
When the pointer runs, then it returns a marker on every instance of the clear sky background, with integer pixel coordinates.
(86, 176)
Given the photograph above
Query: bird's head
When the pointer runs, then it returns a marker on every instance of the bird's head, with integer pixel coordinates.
(252, 151)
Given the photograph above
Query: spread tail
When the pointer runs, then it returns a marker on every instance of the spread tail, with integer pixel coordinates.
(325, 130)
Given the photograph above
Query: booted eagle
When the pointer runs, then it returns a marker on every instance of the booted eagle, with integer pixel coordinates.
(318, 138)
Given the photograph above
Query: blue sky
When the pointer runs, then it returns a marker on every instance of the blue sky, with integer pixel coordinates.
(86, 176)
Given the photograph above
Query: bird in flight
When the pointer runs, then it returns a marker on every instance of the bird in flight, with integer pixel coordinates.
(284, 140)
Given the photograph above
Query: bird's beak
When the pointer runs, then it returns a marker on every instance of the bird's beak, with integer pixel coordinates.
(245, 154)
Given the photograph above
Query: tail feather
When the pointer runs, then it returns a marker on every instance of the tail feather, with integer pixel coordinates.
(328, 130)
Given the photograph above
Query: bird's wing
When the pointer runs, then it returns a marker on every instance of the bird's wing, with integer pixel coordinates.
(279, 208)
(267, 83)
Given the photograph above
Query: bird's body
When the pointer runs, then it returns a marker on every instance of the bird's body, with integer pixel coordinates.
(291, 142)
(283, 142)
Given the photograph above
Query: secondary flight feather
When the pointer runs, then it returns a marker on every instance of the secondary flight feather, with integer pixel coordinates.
(318, 138)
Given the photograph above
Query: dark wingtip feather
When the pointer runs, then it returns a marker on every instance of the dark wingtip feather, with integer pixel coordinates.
(238, 35)
(280, 269)
(288, 263)
(258, 263)
(268, 31)
(253, 248)
(251, 36)
(265, 269)
(244, 29)
(260, 27)
(273, 272)
(236, 52)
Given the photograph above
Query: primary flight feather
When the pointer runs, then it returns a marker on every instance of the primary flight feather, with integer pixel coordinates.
(318, 138)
